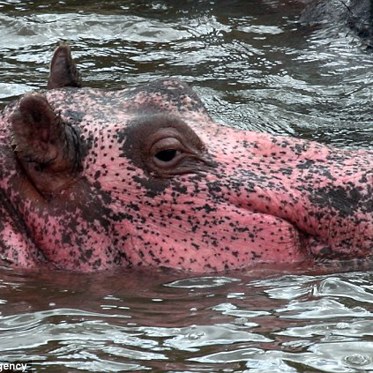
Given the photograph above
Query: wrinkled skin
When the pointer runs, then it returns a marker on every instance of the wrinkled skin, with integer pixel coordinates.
(143, 177)
(356, 15)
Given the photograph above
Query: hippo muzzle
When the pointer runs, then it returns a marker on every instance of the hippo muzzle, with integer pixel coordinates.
(143, 177)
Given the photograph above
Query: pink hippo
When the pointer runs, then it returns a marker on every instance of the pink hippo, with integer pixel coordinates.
(94, 180)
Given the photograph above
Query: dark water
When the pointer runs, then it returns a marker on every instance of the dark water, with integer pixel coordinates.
(254, 322)
(255, 68)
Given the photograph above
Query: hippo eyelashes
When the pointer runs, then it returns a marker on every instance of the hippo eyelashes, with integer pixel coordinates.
(165, 146)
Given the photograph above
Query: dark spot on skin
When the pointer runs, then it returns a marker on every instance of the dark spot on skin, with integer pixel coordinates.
(286, 171)
(305, 164)
(344, 200)
(180, 188)
(152, 187)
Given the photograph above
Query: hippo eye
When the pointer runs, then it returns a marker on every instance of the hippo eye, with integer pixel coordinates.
(166, 155)
(166, 152)
(164, 146)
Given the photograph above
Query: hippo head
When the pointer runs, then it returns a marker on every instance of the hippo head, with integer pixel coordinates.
(143, 177)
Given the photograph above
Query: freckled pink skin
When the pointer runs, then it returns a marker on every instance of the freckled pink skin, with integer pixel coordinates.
(267, 199)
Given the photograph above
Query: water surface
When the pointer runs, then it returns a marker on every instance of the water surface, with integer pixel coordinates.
(255, 68)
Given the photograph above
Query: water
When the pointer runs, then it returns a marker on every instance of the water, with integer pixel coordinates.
(257, 322)
(254, 68)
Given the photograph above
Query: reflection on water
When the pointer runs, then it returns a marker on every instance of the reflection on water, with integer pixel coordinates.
(254, 68)
(168, 323)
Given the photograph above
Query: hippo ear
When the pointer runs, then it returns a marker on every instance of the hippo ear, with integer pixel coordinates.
(45, 145)
(63, 71)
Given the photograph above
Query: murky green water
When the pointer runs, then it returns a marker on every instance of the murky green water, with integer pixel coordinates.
(255, 68)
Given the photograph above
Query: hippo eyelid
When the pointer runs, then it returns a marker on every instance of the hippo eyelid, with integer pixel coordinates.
(168, 150)
(163, 143)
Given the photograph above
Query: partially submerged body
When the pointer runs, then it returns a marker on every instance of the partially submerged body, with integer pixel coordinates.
(143, 177)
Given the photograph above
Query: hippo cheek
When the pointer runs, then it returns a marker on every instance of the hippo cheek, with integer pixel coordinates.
(201, 235)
